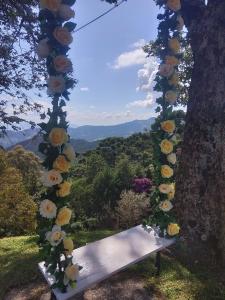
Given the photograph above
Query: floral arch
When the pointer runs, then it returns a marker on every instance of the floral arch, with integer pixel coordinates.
(54, 212)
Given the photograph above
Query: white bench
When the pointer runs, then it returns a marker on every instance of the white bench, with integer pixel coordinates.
(106, 257)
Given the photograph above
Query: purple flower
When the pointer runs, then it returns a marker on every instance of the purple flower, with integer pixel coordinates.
(141, 185)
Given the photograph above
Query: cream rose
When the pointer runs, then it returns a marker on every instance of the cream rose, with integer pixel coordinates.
(66, 12)
(63, 36)
(56, 85)
(47, 209)
(172, 158)
(166, 205)
(50, 178)
(171, 96)
(55, 236)
(166, 70)
(164, 188)
(71, 273)
(62, 64)
(43, 49)
(69, 152)
(58, 136)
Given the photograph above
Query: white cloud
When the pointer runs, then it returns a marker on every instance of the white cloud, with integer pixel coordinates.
(146, 75)
(148, 102)
(131, 58)
(84, 89)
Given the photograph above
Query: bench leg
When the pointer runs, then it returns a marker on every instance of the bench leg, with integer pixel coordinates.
(158, 263)
(52, 296)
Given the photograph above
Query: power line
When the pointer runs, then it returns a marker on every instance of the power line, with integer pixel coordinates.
(102, 15)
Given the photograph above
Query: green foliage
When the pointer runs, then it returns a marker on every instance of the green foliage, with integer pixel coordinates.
(94, 164)
(29, 166)
(17, 208)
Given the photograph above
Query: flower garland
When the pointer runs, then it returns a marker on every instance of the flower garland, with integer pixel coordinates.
(54, 212)
(165, 129)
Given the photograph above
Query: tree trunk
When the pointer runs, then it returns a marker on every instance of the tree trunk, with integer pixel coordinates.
(200, 184)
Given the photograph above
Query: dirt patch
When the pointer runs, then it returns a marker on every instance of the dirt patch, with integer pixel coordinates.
(119, 287)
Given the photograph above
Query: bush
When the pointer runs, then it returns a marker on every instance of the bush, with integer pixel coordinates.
(17, 209)
(132, 208)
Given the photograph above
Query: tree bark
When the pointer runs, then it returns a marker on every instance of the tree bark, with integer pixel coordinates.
(200, 184)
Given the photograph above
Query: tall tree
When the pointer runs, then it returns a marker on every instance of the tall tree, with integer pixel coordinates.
(20, 68)
(200, 188)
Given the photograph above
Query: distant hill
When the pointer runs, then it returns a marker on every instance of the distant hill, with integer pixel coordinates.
(15, 137)
(83, 135)
(80, 146)
(94, 133)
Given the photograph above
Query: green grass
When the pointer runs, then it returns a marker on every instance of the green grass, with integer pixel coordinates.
(179, 280)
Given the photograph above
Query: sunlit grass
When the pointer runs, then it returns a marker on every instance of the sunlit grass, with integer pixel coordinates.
(178, 281)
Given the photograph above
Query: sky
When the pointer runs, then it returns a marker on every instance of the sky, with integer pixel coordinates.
(115, 79)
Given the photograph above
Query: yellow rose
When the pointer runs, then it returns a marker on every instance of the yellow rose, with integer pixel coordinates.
(165, 188)
(173, 229)
(66, 12)
(58, 136)
(174, 45)
(166, 146)
(72, 272)
(174, 80)
(166, 205)
(180, 23)
(52, 5)
(168, 126)
(173, 5)
(63, 36)
(64, 189)
(166, 171)
(171, 97)
(68, 246)
(172, 60)
(61, 164)
(63, 217)
(62, 64)
(55, 236)
(69, 152)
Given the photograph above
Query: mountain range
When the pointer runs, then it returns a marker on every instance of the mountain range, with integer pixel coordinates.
(83, 138)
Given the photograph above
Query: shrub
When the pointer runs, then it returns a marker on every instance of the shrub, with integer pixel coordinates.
(132, 208)
(17, 209)
(142, 185)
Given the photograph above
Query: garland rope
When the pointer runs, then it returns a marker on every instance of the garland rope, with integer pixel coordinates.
(165, 130)
(54, 211)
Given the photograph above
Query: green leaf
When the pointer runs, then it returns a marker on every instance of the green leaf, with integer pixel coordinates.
(69, 2)
(70, 26)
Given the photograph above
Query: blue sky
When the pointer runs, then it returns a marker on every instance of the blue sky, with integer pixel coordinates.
(110, 65)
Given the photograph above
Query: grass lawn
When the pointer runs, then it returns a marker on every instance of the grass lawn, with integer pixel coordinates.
(179, 280)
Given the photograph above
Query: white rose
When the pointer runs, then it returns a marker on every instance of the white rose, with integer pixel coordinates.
(50, 178)
(172, 158)
(55, 236)
(66, 12)
(43, 49)
(56, 85)
(48, 209)
(166, 205)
